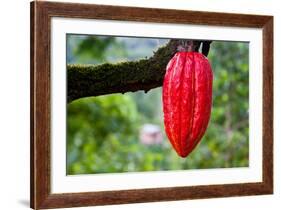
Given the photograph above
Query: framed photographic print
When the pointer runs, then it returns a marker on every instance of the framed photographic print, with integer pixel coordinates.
(141, 105)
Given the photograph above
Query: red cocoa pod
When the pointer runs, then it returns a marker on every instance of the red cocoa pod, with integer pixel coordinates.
(187, 100)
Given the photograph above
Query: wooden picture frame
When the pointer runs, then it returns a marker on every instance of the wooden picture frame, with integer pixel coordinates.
(40, 188)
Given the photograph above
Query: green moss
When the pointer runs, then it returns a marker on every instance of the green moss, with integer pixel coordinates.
(144, 74)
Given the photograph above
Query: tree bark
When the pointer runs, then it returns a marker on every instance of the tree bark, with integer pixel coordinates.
(144, 74)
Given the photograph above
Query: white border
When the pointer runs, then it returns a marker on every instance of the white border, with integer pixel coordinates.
(60, 183)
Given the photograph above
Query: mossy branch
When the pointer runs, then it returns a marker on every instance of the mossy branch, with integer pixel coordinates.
(145, 74)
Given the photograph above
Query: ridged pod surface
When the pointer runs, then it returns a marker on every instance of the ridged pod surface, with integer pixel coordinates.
(187, 100)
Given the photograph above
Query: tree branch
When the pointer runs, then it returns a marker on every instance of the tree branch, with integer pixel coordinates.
(145, 74)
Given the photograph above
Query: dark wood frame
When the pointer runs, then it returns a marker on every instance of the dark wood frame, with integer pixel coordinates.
(41, 14)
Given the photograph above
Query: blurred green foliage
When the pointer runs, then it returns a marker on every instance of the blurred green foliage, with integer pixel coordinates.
(103, 132)
(93, 49)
